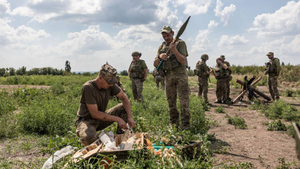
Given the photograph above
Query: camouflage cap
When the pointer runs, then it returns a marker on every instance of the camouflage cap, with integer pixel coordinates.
(222, 56)
(166, 29)
(135, 53)
(109, 73)
(270, 53)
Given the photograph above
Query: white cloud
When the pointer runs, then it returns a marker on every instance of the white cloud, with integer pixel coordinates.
(4, 7)
(291, 48)
(202, 43)
(87, 41)
(194, 7)
(225, 13)
(226, 41)
(139, 34)
(22, 34)
(285, 21)
(164, 13)
(89, 11)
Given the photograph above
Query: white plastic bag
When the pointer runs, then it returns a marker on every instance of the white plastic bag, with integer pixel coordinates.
(58, 155)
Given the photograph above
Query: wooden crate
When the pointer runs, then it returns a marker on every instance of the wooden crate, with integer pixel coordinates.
(97, 148)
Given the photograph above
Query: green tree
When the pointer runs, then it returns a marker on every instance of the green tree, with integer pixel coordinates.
(21, 71)
(2, 71)
(124, 73)
(12, 71)
(67, 66)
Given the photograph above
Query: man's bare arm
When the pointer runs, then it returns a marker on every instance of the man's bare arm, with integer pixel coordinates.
(96, 114)
(126, 104)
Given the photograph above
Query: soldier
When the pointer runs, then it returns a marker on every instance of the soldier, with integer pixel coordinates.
(158, 79)
(272, 70)
(176, 78)
(92, 114)
(230, 77)
(203, 71)
(222, 76)
(138, 72)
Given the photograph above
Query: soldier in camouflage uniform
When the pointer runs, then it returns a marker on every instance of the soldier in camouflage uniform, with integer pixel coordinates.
(272, 70)
(138, 72)
(92, 114)
(176, 78)
(228, 79)
(203, 71)
(158, 79)
(222, 76)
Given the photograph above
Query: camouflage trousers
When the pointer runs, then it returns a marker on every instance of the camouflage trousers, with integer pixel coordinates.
(137, 89)
(272, 81)
(228, 86)
(203, 88)
(177, 82)
(222, 89)
(86, 129)
(160, 79)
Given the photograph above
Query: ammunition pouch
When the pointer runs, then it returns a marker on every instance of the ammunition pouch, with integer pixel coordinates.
(204, 75)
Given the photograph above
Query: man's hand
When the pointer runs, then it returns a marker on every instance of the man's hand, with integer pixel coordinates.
(163, 56)
(131, 123)
(142, 80)
(172, 47)
(122, 124)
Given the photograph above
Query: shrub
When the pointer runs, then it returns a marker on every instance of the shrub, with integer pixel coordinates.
(238, 122)
(276, 125)
(220, 109)
(48, 116)
(7, 103)
(289, 93)
(281, 110)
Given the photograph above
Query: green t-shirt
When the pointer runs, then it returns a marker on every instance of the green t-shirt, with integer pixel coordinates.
(91, 94)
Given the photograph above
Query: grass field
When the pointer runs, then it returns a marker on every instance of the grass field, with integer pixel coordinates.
(34, 123)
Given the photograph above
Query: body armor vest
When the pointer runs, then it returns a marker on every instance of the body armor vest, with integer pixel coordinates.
(136, 69)
(172, 61)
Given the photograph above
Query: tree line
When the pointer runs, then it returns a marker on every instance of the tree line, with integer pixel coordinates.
(36, 71)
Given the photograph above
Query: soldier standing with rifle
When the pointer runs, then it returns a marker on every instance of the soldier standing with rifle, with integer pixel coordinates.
(272, 70)
(138, 72)
(228, 79)
(176, 78)
(203, 71)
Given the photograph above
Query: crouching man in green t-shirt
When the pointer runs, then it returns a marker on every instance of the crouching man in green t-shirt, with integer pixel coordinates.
(95, 95)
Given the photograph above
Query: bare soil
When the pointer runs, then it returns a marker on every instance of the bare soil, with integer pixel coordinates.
(255, 144)
(21, 86)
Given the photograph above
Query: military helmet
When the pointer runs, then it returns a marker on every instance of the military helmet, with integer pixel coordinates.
(204, 57)
(222, 56)
(136, 53)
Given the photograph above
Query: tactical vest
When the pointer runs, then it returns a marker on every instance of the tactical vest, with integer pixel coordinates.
(220, 72)
(136, 69)
(272, 69)
(172, 61)
(201, 69)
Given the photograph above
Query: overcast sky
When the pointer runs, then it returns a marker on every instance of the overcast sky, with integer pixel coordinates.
(88, 33)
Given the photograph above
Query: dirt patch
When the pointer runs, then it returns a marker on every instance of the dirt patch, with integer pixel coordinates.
(13, 87)
(256, 145)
